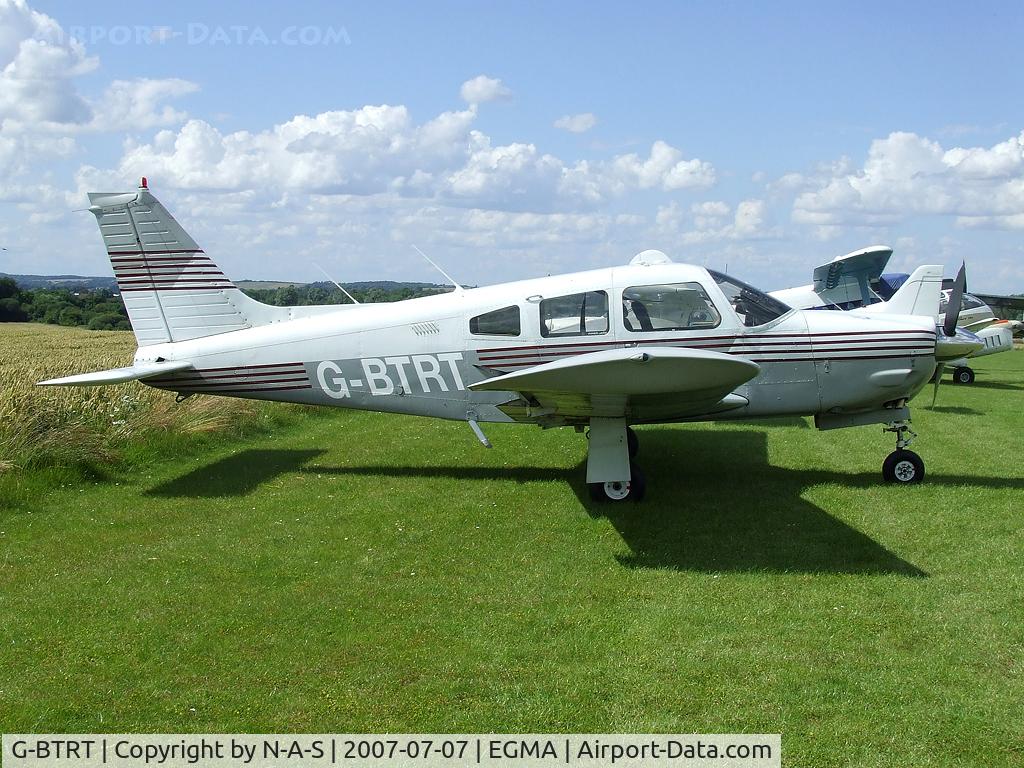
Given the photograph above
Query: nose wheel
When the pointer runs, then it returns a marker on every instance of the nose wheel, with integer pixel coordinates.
(963, 375)
(902, 467)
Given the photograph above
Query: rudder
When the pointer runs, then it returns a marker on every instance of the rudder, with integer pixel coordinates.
(172, 290)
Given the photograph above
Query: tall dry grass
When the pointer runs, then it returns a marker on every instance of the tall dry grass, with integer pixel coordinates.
(44, 426)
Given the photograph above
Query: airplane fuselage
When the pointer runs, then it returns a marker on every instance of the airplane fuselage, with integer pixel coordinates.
(421, 356)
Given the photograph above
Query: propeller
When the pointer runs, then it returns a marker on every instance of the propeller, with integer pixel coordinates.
(956, 297)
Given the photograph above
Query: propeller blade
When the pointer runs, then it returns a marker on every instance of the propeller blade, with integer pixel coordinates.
(955, 299)
(937, 380)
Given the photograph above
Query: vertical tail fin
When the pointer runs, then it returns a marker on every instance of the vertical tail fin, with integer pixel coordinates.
(172, 290)
(918, 296)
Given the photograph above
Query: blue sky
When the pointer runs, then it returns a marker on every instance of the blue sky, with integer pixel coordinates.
(765, 137)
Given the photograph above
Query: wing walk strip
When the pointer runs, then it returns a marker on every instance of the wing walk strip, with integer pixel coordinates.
(171, 270)
(277, 377)
(795, 348)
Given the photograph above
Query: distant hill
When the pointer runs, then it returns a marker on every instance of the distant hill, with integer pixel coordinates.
(384, 285)
(263, 285)
(366, 285)
(28, 282)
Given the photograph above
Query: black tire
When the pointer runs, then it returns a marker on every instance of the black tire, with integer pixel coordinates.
(634, 490)
(963, 375)
(633, 442)
(903, 468)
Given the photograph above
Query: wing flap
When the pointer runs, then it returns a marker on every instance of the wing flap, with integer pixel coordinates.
(117, 375)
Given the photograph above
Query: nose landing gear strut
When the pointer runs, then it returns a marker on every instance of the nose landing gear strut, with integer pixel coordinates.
(902, 467)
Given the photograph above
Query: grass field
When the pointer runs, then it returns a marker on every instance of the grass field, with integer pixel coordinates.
(361, 572)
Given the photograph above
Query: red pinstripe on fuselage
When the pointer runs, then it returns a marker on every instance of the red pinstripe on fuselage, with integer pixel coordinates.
(765, 347)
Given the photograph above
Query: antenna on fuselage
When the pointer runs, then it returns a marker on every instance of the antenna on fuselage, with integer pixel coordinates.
(438, 268)
(350, 296)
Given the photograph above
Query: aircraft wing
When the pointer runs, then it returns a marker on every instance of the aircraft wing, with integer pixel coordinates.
(117, 375)
(647, 384)
(854, 269)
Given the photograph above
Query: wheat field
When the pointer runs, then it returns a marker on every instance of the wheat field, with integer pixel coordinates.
(61, 426)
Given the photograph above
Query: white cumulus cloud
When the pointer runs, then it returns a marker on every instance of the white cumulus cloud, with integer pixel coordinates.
(665, 168)
(38, 64)
(138, 104)
(577, 123)
(380, 149)
(906, 174)
(482, 89)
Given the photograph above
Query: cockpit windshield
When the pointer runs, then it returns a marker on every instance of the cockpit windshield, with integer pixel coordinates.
(753, 307)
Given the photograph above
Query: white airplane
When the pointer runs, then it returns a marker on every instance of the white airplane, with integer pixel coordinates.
(651, 342)
(975, 316)
(847, 283)
(843, 283)
(978, 317)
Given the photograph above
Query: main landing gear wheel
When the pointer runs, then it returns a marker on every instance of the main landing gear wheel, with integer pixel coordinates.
(633, 490)
(903, 467)
(633, 442)
(963, 375)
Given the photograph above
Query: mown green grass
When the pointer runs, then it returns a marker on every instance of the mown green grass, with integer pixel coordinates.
(372, 573)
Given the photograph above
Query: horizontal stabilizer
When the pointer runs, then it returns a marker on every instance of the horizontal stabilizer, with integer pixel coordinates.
(630, 372)
(117, 375)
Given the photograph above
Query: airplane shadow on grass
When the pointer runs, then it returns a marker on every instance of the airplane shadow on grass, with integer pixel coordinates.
(235, 475)
(981, 384)
(712, 505)
(718, 505)
(955, 409)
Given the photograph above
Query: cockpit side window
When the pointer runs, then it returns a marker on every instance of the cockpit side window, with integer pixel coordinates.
(752, 307)
(967, 301)
(499, 322)
(668, 307)
(578, 314)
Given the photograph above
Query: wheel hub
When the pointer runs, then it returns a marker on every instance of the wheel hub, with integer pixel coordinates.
(905, 471)
(617, 490)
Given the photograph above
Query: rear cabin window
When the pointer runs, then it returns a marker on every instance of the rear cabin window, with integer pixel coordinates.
(500, 322)
(578, 314)
(668, 307)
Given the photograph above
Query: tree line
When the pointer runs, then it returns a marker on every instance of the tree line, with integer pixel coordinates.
(102, 309)
(99, 310)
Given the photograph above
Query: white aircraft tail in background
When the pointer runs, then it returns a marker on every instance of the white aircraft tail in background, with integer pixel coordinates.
(916, 296)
